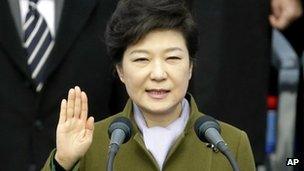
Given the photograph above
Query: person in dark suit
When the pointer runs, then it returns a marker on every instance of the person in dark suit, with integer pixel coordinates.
(29, 112)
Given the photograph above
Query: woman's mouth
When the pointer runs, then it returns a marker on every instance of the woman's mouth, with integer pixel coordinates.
(158, 93)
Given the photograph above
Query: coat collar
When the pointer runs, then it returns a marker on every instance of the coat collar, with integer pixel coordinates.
(137, 136)
(194, 113)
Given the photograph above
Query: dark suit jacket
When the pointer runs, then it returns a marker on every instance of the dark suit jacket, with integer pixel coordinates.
(28, 119)
(231, 78)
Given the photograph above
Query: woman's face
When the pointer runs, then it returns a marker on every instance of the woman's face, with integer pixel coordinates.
(156, 71)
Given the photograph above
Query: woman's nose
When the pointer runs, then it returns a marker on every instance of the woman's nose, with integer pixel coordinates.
(158, 71)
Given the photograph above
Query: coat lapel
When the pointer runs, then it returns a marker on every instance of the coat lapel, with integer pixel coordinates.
(10, 41)
(74, 15)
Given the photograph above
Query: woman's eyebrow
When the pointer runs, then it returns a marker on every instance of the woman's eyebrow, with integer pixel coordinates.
(174, 49)
(147, 52)
(138, 51)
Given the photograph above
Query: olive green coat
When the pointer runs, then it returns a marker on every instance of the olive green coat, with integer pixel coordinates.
(187, 154)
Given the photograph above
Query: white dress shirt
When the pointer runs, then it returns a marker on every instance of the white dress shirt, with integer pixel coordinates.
(45, 7)
(158, 140)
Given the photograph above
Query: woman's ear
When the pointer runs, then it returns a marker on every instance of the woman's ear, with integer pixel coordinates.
(190, 69)
(120, 72)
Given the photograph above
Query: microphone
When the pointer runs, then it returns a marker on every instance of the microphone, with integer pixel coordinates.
(208, 130)
(119, 132)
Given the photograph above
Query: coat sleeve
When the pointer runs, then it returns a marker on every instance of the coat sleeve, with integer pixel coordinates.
(50, 166)
(244, 154)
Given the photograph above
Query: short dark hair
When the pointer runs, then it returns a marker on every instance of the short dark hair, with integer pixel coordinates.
(133, 19)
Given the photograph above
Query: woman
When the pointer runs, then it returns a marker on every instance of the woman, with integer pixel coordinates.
(152, 43)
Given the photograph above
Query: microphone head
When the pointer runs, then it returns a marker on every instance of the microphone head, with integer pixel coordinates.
(202, 124)
(121, 123)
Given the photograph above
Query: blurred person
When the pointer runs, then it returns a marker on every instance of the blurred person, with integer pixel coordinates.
(284, 12)
(293, 25)
(153, 46)
(42, 45)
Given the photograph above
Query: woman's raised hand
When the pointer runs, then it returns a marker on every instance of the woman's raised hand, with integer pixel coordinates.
(74, 130)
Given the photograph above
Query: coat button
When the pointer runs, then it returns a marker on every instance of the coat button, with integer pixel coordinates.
(38, 125)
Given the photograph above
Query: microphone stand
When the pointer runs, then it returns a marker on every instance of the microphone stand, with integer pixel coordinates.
(225, 150)
(117, 139)
(120, 132)
(113, 148)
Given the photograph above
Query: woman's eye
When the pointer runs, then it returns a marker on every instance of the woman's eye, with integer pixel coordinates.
(140, 59)
(173, 58)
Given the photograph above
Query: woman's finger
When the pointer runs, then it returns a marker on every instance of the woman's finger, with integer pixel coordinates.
(70, 103)
(77, 106)
(84, 106)
(63, 112)
(89, 127)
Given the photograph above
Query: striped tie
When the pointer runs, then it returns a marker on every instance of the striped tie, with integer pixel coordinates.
(38, 43)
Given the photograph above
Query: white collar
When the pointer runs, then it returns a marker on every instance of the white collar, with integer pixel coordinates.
(158, 140)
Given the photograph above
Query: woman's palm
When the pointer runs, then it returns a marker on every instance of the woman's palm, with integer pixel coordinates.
(74, 130)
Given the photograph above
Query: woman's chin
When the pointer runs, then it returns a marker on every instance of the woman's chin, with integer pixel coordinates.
(160, 108)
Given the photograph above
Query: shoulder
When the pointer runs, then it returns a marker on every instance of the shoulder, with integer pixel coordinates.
(239, 144)
(234, 136)
(230, 132)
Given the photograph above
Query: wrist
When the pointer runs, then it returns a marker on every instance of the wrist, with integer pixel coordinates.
(64, 162)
